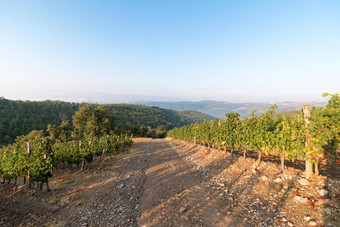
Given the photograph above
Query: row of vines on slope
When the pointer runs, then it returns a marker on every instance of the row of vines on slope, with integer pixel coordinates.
(312, 135)
(35, 156)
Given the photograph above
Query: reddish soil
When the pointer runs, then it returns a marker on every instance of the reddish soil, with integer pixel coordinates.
(161, 182)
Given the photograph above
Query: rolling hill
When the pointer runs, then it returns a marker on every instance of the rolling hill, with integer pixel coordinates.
(21, 117)
(219, 109)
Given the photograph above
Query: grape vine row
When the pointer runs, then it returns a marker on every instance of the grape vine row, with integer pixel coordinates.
(35, 156)
(290, 135)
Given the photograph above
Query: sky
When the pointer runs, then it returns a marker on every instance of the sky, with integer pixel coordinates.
(122, 51)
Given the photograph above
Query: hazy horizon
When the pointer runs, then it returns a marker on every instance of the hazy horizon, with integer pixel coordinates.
(126, 51)
(136, 99)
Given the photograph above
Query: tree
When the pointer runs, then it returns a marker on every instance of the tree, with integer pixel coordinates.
(60, 133)
(93, 122)
(160, 131)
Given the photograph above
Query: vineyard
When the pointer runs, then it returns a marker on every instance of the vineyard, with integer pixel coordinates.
(35, 156)
(163, 182)
(312, 135)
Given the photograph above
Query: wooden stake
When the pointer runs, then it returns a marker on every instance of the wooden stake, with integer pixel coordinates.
(282, 163)
(195, 137)
(41, 184)
(259, 158)
(308, 163)
(47, 185)
(28, 172)
(316, 164)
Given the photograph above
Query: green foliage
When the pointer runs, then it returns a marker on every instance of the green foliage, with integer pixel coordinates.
(94, 137)
(21, 117)
(324, 128)
(230, 127)
(161, 131)
(33, 137)
(60, 133)
(95, 121)
(41, 163)
(13, 162)
(283, 134)
(290, 136)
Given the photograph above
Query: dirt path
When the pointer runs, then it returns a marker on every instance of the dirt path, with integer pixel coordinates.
(160, 182)
(105, 194)
(176, 193)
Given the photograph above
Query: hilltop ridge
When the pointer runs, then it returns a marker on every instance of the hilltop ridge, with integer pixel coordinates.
(21, 117)
(218, 109)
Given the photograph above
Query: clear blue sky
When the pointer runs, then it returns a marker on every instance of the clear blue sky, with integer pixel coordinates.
(234, 51)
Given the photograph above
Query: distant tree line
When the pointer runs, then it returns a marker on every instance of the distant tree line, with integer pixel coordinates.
(21, 117)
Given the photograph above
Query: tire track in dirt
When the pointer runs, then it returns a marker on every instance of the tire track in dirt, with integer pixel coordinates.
(176, 192)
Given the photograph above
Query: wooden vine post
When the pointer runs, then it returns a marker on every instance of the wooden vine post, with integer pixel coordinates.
(46, 155)
(28, 171)
(316, 164)
(123, 147)
(282, 158)
(309, 164)
(195, 136)
(80, 144)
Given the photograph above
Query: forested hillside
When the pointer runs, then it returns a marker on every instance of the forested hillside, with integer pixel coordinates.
(21, 117)
(129, 115)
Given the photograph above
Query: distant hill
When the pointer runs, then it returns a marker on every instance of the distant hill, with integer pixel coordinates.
(132, 115)
(21, 117)
(219, 109)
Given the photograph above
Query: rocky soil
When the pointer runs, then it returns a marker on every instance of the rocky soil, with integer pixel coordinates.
(161, 182)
